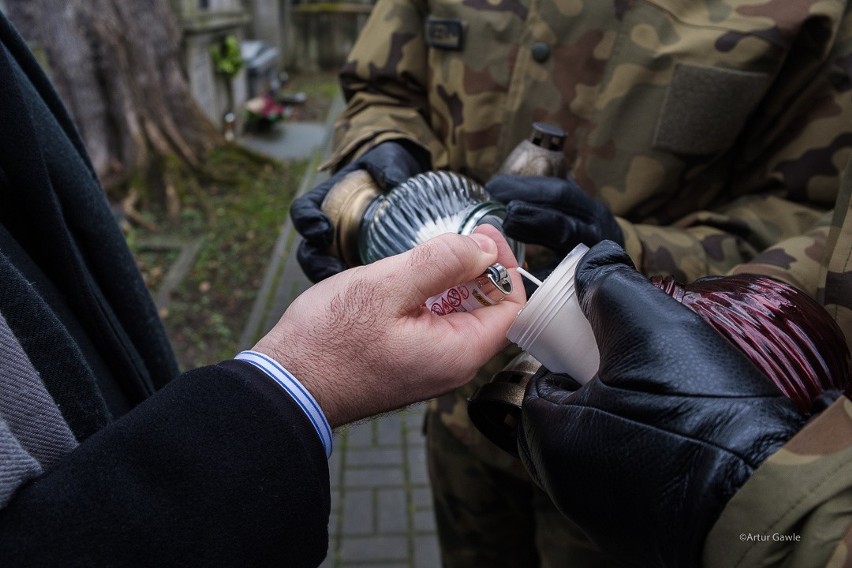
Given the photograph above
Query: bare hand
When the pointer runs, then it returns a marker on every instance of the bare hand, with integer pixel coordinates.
(362, 342)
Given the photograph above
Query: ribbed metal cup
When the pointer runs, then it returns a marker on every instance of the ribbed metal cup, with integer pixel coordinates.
(424, 207)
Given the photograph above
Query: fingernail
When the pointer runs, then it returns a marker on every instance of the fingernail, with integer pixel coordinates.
(485, 243)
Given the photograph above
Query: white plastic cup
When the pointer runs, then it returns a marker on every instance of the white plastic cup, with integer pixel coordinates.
(552, 328)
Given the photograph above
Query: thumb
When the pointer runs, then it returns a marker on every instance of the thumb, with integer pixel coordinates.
(439, 263)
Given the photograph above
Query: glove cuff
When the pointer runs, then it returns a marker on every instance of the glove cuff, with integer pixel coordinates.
(420, 154)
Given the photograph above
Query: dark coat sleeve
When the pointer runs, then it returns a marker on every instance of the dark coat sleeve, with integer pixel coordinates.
(219, 468)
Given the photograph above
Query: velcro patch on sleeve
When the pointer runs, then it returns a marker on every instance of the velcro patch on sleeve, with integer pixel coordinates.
(445, 34)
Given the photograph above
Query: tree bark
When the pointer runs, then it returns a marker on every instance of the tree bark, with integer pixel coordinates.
(117, 66)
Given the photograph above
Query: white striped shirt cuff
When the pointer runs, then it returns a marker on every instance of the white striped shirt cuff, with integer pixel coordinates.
(296, 391)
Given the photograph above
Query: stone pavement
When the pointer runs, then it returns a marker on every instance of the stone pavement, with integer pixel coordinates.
(381, 512)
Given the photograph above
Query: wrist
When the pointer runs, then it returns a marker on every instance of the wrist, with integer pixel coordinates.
(291, 385)
(285, 344)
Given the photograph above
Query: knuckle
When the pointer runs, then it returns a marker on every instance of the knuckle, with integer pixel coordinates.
(420, 256)
(443, 253)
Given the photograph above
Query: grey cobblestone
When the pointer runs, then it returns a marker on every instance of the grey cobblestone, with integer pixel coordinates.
(414, 417)
(357, 457)
(423, 521)
(417, 467)
(374, 549)
(360, 435)
(333, 525)
(358, 512)
(389, 430)
(334, 467)
(374, 477)
(415, 439)
(421, 497)
(392, 511)
(426, 552)
(329, 561)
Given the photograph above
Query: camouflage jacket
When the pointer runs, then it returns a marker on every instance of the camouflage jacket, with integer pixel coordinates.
(716, 130)
(796, 510)
(712, 128)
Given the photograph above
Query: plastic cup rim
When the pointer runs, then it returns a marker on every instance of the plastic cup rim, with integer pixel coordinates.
(534, 316)
(541, 321)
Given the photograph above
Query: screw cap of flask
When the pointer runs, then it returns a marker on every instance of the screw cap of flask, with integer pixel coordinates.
(548, 136)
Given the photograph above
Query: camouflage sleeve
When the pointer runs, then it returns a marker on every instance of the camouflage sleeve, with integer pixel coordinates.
(791, 169)
(384, 84)
(796, 260)
(796, 509)
(835, 292)
(824, 267)
(768, 231)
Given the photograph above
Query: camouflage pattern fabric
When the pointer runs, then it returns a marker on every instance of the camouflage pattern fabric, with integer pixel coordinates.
(671, 106)
(835, 291)
(716, 130)
(804, 491)
(796, 509)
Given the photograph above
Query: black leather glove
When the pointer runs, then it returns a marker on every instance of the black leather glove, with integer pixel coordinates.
(646, 455)
(389, 163)
(552, 212)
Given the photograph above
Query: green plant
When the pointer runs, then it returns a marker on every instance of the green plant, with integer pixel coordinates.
(227, 57)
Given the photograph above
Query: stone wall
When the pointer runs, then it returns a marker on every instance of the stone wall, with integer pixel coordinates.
(268, 21)
(324, 33)
(206, 23)
(309, 35)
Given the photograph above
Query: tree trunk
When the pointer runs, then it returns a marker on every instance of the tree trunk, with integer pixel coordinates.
(116, 64)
